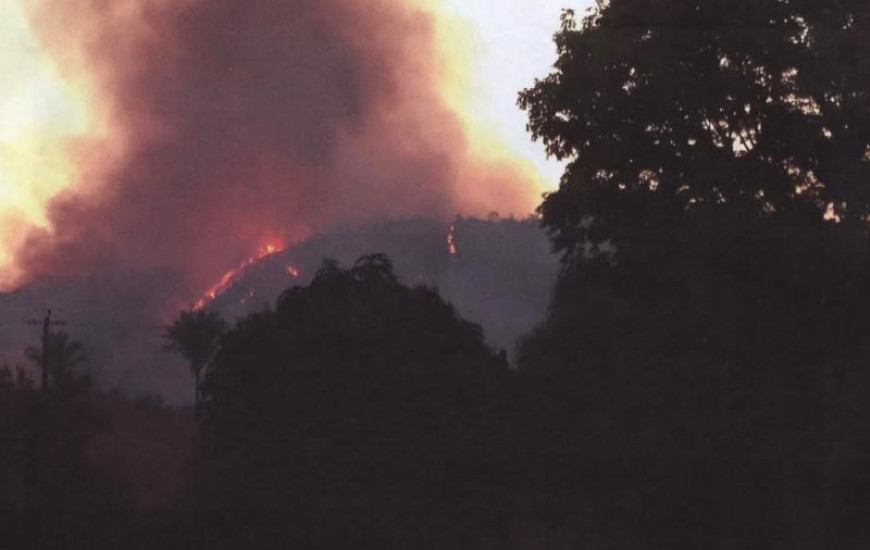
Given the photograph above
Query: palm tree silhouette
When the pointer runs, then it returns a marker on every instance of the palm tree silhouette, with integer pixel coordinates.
(195, 335)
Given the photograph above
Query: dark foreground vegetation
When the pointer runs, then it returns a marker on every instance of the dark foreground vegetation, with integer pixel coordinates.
(361, 413)
(700, 381)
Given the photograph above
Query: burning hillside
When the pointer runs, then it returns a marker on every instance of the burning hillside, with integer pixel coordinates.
(229, 278)
(187, 134)
(497, 272)
(196, 128)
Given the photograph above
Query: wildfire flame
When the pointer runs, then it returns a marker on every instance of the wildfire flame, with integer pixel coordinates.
(292, 270)
(229, 278)
(451, 241)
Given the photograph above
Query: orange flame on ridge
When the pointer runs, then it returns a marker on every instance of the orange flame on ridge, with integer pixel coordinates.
(451, 240)
(228, 279)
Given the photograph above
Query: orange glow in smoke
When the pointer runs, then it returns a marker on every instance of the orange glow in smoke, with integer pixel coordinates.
(270, 248)
(41, 113)
(292, 270)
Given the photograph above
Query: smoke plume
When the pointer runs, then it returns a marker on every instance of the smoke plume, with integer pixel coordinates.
(233, 122)
(226, 124)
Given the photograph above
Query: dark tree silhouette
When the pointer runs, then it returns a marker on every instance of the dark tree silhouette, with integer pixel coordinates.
(49, 429)
(16, 398)
(675, 106)
(701, 375)
(195, 335)
(365, 406)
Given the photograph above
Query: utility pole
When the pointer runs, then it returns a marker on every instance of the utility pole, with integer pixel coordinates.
(45, 325)
(38, 408)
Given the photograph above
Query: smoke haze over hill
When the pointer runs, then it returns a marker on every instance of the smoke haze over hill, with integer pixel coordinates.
(499, 277)
(228, 123)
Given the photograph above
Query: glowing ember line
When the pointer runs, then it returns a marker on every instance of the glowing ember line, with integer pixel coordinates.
(451, 241)
(230, 277)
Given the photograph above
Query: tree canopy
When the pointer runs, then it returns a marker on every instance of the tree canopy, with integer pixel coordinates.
(357, 399)
(709, 365)
(673, 107)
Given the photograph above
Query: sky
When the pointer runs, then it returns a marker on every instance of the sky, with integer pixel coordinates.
(511, 45)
